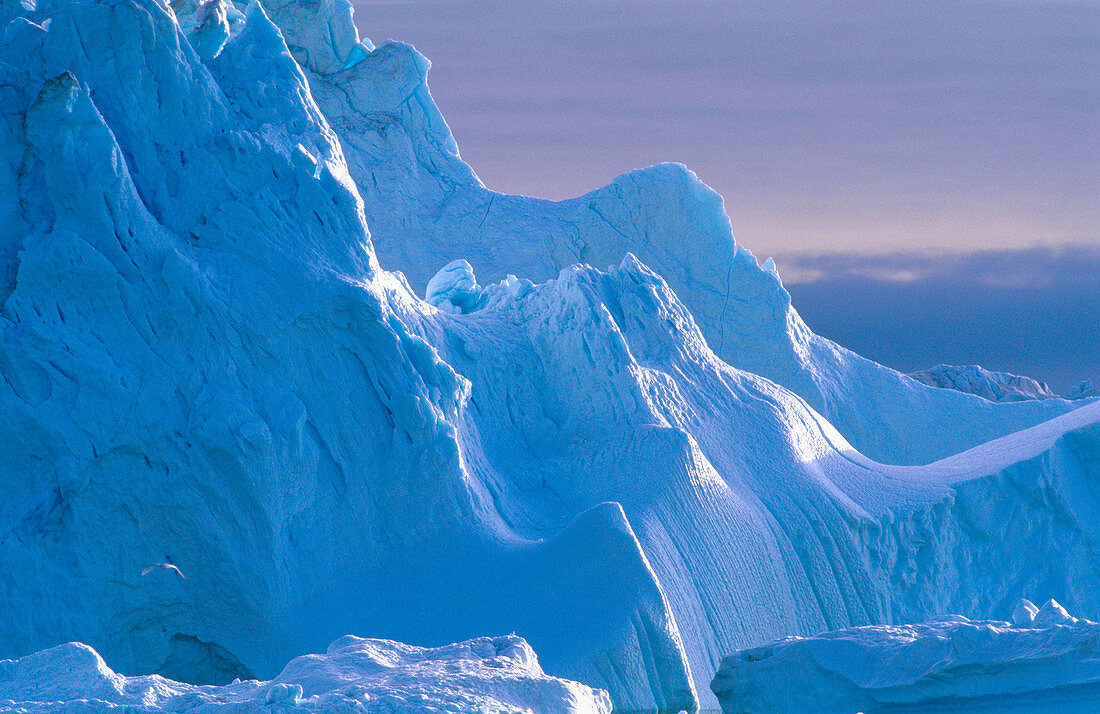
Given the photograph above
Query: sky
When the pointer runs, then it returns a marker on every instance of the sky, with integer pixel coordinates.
(912, 142)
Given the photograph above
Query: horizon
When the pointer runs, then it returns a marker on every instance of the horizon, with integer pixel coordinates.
(929, 135)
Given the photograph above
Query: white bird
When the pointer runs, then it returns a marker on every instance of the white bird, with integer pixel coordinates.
(166, 566)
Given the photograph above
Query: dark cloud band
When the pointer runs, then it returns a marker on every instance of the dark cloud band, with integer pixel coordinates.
(1032, 311)
(1021, 268)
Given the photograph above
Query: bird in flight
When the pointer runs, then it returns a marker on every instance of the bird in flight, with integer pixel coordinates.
(166, 566)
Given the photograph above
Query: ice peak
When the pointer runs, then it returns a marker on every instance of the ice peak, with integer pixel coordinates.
(1024, 613)
(206, 24)
(1052, 613)
(60, 94)
(1083, 390)
(454, 288)
(320, 33)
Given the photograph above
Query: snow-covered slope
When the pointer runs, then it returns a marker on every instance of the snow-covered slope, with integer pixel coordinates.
(947, 665)
(205, 367)
(499, 675)
(994, 386)
(426, 208)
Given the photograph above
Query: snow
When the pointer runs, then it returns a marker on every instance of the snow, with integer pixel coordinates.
(994, 386)
(205, 366)
(949, 664)
(498, 674)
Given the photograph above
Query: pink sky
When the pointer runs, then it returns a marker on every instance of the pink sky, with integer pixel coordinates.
(843, 126)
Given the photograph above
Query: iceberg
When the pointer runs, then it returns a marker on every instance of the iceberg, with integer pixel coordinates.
(426, 208)
(1083, 390)
(993, 386)
(951, 664)
(499, 674)
(235, 436)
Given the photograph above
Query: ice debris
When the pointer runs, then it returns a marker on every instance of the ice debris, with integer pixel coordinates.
(1024, 613)
(993, 386)
(950, 664)
(488, 674)
(1083, 390)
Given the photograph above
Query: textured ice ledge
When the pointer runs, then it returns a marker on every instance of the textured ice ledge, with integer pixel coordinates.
(497, 674)
(993, 386)
(1047, 661)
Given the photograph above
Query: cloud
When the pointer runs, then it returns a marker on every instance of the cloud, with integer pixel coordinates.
(1033, 311)
(1022, 268)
